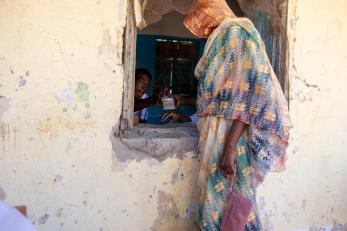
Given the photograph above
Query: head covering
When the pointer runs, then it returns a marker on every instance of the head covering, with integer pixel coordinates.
(208, 10)
(206, 15)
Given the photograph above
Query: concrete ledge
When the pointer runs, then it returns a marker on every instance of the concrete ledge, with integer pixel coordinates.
(157, 141)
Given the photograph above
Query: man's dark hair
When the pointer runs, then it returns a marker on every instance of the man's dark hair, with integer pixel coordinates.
(142, 71)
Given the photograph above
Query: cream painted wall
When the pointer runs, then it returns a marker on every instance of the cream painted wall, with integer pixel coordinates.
(61, 79)
(61, 82)
(312, 192)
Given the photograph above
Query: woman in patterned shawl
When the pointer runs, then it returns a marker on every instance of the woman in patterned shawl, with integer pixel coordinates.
(243, 115)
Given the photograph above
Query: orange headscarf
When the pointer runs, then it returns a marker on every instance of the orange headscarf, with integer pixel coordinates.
(205, 16)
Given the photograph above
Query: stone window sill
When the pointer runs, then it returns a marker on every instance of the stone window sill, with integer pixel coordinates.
(157, 141)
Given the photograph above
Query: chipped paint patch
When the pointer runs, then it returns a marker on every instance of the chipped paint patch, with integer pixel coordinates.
(58, 178)
(2, 194)
(43, 219)
(303, 204)
(177, 176)
(60, 212)
(66, 96)
(169, 216)
(82, 91)
(4, 105)
(107, 46)
(22, 81)
(190, 211)
(340, 227)
(53, 119)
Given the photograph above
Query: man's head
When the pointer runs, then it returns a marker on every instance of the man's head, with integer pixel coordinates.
(144, 75)
(142, 80)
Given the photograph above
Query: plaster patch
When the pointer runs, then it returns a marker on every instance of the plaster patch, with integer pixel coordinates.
(4, 133)
(190, 211)
(177, 176)
(169, 216)
(22, 82)
(58, 178)
(11, 70)
(66, 96)
(340, 227)
(60, 212)
(106, 46)
(43, 219)
(4, 105)
(155, 143)
(303, 204)
(308, 85)
(266, 216)
(82, 91)
(2, 194)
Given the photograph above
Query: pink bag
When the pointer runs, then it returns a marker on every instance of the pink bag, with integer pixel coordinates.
(236, 213)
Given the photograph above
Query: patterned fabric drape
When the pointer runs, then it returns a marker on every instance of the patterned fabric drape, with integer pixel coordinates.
(236, 81)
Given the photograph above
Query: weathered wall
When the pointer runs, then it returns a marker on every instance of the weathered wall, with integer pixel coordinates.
(61, 79)
(60, 76)
(61, 86)
(312, 192)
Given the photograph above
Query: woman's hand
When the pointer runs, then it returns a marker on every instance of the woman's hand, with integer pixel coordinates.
(227, 161)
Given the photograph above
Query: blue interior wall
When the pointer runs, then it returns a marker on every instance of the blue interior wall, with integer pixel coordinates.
(146, 51)
(145, 58)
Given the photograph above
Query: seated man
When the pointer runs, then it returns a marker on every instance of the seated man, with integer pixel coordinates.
(142, 101)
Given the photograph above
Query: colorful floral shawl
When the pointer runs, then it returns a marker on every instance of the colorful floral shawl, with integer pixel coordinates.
(236, 81)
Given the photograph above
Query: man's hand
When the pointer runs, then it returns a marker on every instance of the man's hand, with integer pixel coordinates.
(173, 115)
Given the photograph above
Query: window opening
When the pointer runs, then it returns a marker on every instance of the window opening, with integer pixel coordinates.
(170, 54)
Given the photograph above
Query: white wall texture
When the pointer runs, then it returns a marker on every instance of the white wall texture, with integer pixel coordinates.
(61, 91)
